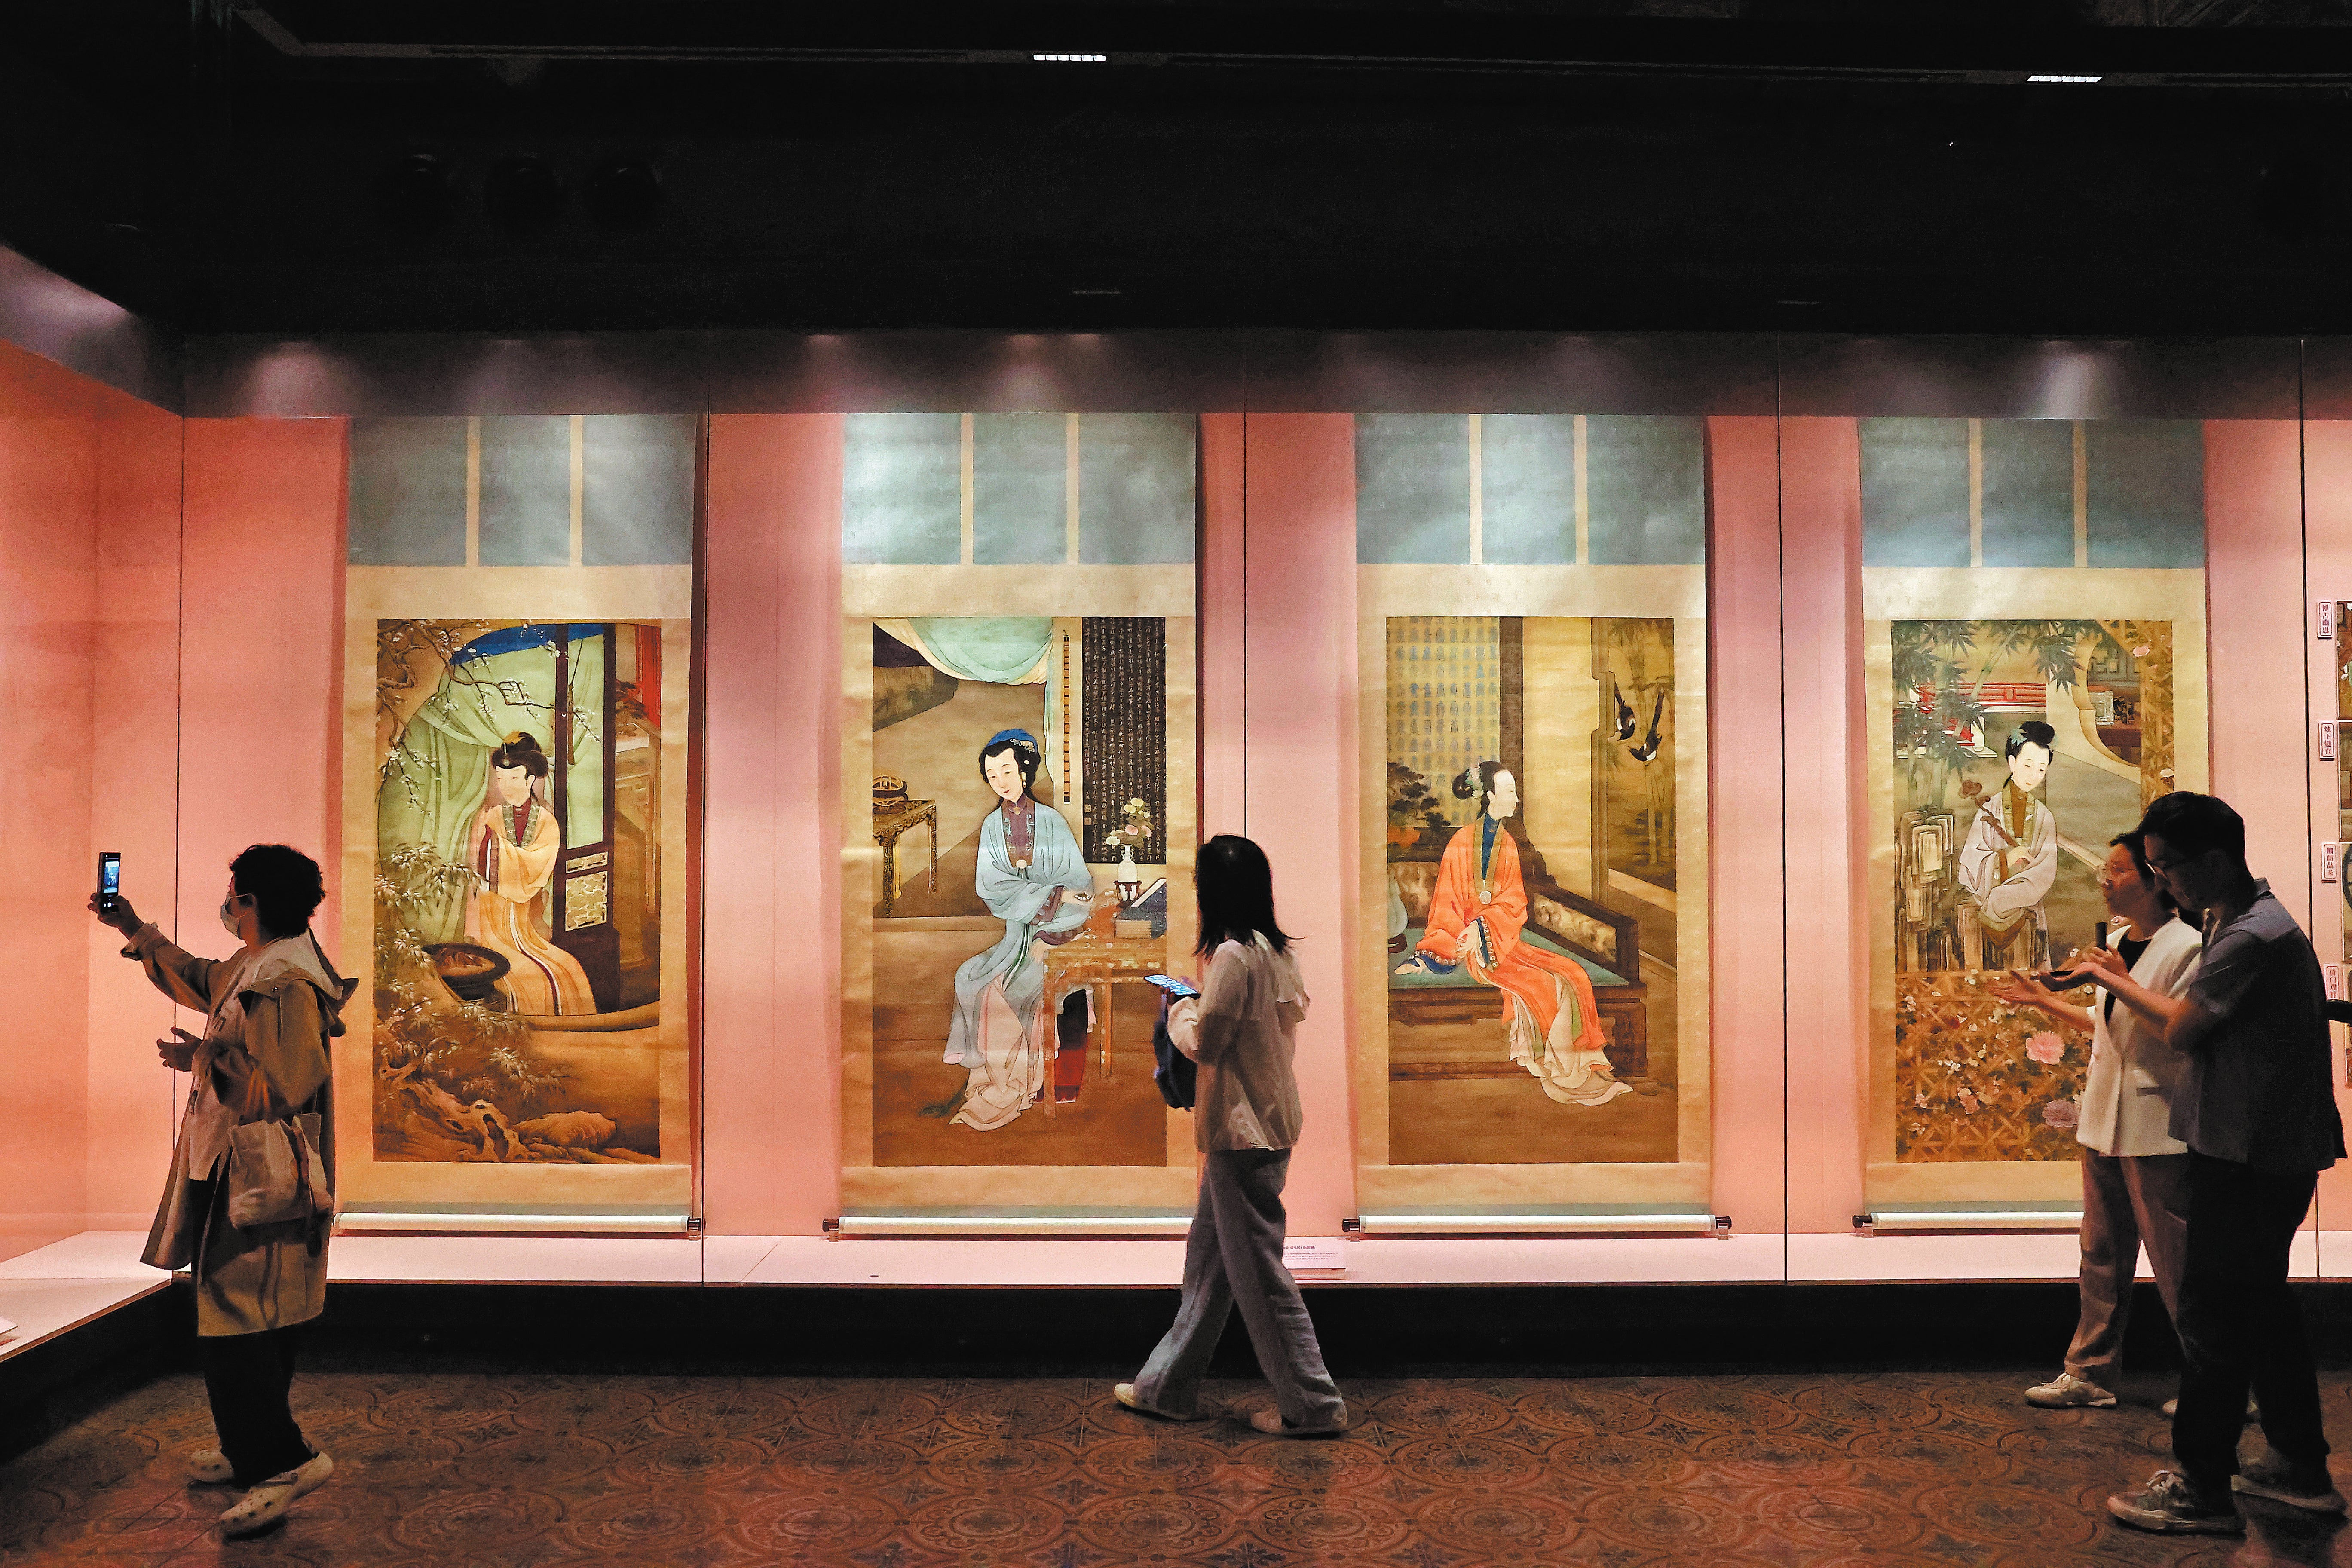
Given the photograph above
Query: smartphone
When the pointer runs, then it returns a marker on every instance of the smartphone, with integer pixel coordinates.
(1173, 986)
(110, 880)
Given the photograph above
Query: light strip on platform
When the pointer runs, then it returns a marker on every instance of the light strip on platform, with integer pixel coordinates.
(1898, 1220)
(667, 1224)
(1545, 1224)
(1010, 1225)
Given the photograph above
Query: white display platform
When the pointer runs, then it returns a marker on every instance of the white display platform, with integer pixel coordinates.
(53, 1289)
(514, 1260)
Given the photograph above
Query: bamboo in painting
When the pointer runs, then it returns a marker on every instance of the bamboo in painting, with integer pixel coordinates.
(2020, 748)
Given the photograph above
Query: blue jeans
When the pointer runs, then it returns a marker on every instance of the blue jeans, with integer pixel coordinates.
(1233, 1258)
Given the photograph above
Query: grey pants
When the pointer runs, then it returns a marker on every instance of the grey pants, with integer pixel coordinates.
(1233, 1258)
(2127, 1200)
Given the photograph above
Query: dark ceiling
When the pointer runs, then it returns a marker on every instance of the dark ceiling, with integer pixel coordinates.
(299, 166)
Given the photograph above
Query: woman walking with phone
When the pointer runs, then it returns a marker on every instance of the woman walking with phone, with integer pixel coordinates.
(1240, 1030)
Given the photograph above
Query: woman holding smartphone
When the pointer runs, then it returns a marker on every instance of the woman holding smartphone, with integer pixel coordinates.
(1240, 1031)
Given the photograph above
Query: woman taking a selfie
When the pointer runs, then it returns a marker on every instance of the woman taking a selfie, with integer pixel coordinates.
(1240, 1032)
(249, 1202)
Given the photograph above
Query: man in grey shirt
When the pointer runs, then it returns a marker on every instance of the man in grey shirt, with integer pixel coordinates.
(2257, 1108)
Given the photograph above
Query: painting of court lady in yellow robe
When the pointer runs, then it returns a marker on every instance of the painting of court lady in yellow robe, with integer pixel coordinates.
(515, 846)
(523, 830)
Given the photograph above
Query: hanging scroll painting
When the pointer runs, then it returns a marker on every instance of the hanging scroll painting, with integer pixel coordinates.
(2034, 616)
(1018, 658)
(1533, 952)
(517, 703)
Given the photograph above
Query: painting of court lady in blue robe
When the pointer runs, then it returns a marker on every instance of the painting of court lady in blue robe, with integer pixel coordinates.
(995, 1040)
(518, 956)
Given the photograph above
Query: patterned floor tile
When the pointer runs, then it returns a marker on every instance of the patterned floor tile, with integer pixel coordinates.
(540, 1471)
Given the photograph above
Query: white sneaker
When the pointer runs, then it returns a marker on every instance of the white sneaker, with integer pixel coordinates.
(266, 1504)
(2067, 1391)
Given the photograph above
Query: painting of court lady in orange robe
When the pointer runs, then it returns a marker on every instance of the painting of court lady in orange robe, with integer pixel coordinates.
(1477, 914)
(514, 846)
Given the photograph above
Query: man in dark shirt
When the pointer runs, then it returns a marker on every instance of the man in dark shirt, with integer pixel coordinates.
(2257, 1109)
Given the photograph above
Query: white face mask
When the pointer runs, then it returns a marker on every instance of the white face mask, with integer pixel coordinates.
(228, 919)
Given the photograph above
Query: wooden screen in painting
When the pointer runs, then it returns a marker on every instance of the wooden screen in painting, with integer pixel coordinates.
(2034, 616)
(1532, 957)
(516, 707)
(1018, 664)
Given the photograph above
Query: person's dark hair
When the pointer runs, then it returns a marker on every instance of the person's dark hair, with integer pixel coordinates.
(1024, 754)
(2193, 824)
(283, 883)
(2032, 733)
(2137, 842)
(1476, 781)
(521, 751)
(1236, 886)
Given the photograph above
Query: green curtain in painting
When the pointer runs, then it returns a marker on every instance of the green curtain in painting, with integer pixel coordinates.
(1009, 650)
(439, 771)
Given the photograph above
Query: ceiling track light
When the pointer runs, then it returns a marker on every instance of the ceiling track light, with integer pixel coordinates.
(2066, 79)
(1071, 59)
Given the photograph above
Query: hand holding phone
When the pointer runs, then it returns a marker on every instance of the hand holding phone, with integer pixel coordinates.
(110, 881)
(1174, 986)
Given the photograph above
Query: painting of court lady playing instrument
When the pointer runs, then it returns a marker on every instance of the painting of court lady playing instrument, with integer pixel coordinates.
(1530, 889)
(1020, 811)
(2021, 749)
(522, 836)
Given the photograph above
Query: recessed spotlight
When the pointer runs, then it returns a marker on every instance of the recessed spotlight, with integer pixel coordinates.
(2076, 80)
(1071, 59)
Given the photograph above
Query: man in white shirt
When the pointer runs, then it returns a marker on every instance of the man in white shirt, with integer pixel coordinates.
(2135, 1172)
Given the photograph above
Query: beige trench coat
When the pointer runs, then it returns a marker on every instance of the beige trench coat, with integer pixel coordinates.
(271, 1276)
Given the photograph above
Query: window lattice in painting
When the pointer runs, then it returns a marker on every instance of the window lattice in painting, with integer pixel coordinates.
(1445, 701)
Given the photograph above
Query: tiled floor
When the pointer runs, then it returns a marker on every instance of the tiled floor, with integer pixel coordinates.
(910, 1473)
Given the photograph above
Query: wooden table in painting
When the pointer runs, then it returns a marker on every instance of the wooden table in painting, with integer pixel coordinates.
(1100, 956)
(888, 823)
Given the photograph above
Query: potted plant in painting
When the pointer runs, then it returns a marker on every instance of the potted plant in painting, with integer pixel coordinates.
(1134, 829)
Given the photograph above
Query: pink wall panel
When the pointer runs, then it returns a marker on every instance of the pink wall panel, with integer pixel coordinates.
(135, 807)
(261, 658)
(1300, 498)
(48, 581)
(2254, 590)
(1745, 827)
(1223, 548)
(770, 1026)
(1828, 965)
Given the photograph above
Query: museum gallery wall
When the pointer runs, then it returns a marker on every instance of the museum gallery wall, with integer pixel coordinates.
(1018, 672)
(519, 658)
(1706, 764)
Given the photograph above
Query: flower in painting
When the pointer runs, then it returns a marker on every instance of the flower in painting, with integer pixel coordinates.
(2140, 652)
(1969, 1101)
(2062, 1114)
(2045, 1048)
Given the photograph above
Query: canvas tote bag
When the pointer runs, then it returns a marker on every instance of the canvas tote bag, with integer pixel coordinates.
(275, 1175)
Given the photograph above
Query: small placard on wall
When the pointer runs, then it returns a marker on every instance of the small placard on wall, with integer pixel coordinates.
(2335, 973)
(1314, 1254)
(2324, 622)
(2327, 857)
(2327, 742)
